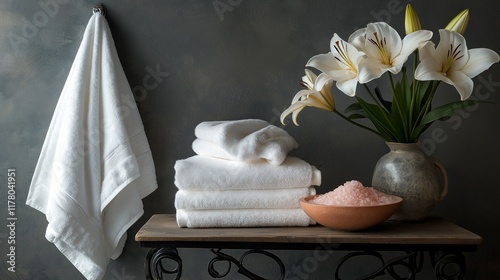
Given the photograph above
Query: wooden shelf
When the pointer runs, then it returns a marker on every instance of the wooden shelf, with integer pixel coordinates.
(444, 241)
(434, 230)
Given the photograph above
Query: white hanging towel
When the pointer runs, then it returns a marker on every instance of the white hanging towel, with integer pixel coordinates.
(95, 165)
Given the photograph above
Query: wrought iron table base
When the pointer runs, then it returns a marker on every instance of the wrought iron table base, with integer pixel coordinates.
(407, 242)
(411, 261)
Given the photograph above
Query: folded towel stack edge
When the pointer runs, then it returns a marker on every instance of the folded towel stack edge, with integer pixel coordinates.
(241, 199)
(208, 173)
(243, 140)
(242, 176)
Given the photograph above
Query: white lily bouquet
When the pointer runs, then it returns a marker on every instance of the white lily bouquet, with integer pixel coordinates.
(371, 52)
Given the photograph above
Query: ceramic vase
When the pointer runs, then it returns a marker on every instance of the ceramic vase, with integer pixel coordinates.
(407, 172)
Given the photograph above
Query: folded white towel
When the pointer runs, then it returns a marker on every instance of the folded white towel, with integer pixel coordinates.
(207, 173)
(243, 140)
(241, 199)
(95, 165)
(243, 218)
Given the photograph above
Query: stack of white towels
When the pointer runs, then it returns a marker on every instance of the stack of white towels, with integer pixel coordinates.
(242, 176)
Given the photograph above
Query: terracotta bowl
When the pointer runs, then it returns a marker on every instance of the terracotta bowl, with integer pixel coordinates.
(348, 218)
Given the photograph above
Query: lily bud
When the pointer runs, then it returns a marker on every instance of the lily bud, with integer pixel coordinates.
(459, 23)
(412, 22)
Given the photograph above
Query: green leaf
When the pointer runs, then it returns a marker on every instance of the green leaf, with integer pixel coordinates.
(354, 107)
(355, 111)
(406, 87)
(423, 105)
(419, 130)
(446, 110)
(387, 104)
(357, 116)
(416, 109)
(422, 92)
(400, 107)
(440, 113)
(381, 120)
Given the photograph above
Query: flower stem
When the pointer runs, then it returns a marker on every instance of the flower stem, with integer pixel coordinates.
(415, 64)
(435, 84)
(392, 82)
(356, 123)
(413, 96)
(414, 84)
(372, 96)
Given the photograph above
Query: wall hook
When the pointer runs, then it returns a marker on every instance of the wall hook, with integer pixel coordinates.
(99, 8)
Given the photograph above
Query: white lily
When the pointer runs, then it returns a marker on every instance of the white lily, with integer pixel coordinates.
(384, 49)
(308, 82)
(341, 64)
(319, 96)
(309, 79)
(452, 63)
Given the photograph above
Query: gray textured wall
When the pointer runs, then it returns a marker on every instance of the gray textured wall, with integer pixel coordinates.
(241, 63)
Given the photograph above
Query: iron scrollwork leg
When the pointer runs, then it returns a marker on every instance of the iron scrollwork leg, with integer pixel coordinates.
(412, 262)
(448, 265)
(222, 257)
(154, 266)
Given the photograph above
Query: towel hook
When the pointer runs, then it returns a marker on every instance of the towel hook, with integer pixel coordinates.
(99, 8)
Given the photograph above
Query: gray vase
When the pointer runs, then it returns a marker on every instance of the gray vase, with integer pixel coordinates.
(407, 172)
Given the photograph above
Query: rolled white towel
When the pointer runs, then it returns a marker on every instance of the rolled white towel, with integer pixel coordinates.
(207, 173)
(241, 199)
(243, 218)
(243, 140)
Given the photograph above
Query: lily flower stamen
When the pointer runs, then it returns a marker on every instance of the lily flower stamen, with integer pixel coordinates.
(381, 44)
(452, 57)
(304, 85)
(344, 57)
(384, 49)
(341, 64)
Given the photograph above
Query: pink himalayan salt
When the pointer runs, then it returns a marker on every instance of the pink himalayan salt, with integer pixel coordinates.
(353, 193)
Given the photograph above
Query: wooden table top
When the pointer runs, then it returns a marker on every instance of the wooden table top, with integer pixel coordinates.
(431, 231)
